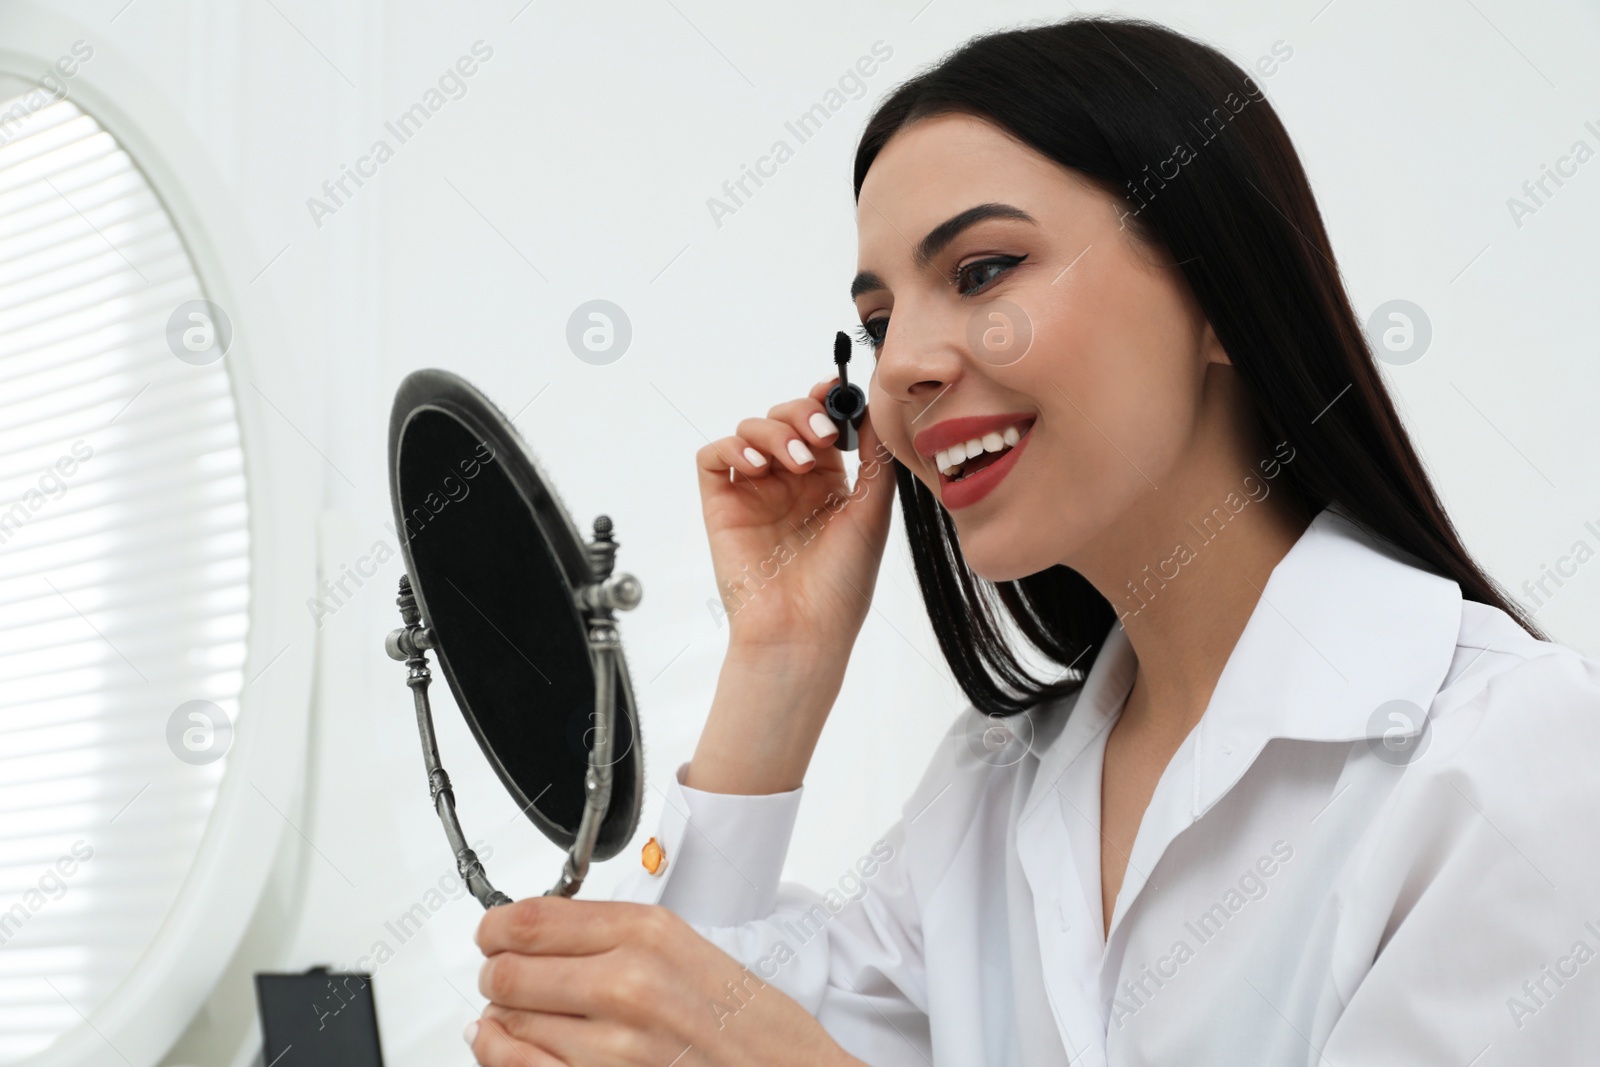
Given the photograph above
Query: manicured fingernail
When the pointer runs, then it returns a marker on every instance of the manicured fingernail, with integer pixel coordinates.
(471, 1032)
(756, 458)
(801, 454)
(822, 425)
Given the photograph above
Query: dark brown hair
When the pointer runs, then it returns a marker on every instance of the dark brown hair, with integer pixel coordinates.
(1110, 98)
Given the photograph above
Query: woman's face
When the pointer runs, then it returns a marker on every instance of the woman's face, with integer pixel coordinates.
(1062, 326)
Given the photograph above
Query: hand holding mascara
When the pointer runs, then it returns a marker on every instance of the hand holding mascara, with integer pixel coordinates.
(846, 404)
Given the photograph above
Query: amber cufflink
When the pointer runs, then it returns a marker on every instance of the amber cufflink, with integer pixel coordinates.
(653, 857)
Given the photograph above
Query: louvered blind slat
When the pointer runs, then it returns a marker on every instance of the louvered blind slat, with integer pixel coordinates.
(124, 570)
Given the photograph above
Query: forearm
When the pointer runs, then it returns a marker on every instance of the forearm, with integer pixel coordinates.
(764, 722)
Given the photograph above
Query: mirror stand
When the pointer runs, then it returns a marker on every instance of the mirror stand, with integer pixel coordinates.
(597, 602)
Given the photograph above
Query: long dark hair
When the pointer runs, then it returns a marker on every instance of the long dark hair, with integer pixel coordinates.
(1110, 98)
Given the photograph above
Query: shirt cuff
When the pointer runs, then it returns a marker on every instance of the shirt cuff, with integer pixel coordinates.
(724, 854)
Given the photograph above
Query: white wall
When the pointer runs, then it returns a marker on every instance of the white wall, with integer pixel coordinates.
(578, 165)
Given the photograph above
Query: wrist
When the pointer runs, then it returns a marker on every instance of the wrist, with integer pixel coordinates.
(764, 723)
(784, 661)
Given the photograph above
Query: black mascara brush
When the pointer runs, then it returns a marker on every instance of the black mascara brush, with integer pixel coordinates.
(846, 404)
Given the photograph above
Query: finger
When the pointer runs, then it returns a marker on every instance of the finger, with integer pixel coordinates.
(560, 926)
(875, 478)
(547, 1031)
(564, 1038)
(548, 983)
(781, 441)
(733, 453)
(494, 1047)
(808, 417)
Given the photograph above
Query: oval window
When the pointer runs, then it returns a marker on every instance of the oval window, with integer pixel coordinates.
(124, 566)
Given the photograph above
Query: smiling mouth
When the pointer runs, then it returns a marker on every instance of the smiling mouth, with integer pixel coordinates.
(961, 461)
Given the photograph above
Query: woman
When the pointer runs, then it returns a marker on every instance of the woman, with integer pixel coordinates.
(1306, 788)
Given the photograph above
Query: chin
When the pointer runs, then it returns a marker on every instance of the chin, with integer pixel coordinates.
(1004, 565)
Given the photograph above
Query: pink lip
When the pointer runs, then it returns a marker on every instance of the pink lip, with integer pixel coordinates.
(974, 487)
(942, 435)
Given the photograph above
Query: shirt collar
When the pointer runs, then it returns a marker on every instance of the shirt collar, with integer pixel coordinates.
(1344, 627)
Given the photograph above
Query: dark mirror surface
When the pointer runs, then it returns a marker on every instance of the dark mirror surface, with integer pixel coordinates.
(495, 562)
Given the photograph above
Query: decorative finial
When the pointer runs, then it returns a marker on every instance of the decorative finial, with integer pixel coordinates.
(407, 602)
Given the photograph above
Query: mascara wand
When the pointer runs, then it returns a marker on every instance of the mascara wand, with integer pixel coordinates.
(846, 404)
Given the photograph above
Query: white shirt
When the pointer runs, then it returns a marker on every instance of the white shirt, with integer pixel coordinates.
(1316, 881)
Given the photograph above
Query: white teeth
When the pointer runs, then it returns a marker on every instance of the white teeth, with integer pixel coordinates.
(949, 460)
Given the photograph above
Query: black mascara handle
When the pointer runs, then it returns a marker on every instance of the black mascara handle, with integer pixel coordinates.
(845, 404)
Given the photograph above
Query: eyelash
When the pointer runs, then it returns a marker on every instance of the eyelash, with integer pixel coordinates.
(864, 332)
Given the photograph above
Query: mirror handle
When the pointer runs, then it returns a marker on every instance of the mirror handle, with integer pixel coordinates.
(597, 601)
(410, 643)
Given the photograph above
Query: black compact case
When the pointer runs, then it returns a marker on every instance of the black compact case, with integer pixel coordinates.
(318, 1019)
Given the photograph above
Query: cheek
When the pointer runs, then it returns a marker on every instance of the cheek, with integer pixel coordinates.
(895, 436)
(1112, 421)
(1114, 370)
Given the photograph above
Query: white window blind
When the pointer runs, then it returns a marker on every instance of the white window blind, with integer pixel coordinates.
(124, 569)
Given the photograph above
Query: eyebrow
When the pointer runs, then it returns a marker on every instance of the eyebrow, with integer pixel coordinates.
(940, 236)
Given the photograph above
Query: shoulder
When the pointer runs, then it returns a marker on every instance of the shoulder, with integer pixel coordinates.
(1481, 864)
(1512, 751)
(1509, 691)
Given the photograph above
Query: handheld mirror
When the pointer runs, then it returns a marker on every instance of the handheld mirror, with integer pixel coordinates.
(519, 611)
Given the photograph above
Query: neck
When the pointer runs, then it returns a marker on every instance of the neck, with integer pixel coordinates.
(1185, 570)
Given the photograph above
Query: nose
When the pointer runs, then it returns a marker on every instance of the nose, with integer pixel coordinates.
(921, 357)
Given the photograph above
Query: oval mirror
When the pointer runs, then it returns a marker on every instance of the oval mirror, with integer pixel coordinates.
(519, 612)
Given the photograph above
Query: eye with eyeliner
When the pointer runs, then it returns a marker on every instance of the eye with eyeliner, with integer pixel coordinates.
(873, 331)
(1002, 261)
